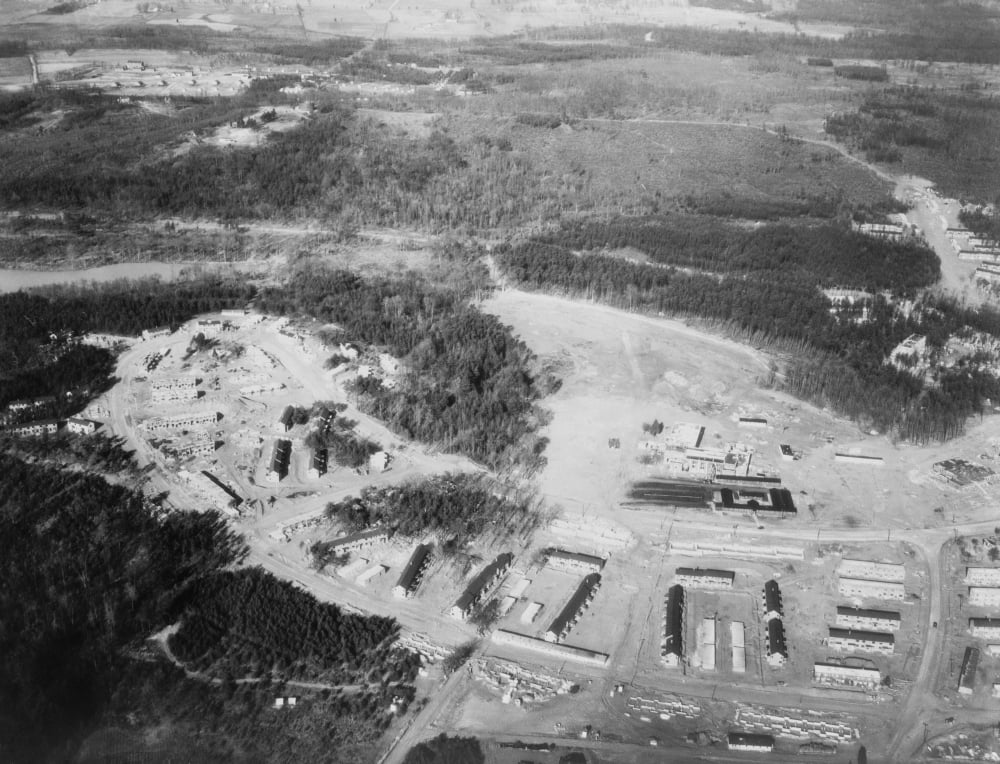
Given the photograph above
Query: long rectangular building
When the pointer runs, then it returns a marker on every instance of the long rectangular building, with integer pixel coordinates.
(177, 421)
(777, 648)
(737, 637)
(706, 578)
(967, 676)
(413, 573)
(876, 590)
(861, 641)
(572, 610)
(872, 620)
(572, 562)
(772, 600)
(987, 628)
(672, 647)
(481, 584)
(280, 457)
(871, 571)
(846, 676)
(173, 389)
(982, 576)
(355, 541)
(984, 595)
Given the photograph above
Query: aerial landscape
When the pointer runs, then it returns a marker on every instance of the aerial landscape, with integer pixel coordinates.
(502, 382)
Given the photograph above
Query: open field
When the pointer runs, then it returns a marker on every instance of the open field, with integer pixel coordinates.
(444, 19)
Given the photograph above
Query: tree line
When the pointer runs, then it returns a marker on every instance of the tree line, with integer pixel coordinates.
(467, 384)
(460, 507)
(834, 361)
(247, 623)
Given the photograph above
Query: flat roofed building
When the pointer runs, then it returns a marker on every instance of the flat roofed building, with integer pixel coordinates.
(846, 676)
(761, 501)
(772, 600)
(80, 426)
(777, 649)
(706, 578)
(573, 562)
(861, 641)
(572, 610)
(738, 640)
(982, 576)
(35, 429)
(749, 741)
(413, 573)
(872, 620)
(531, 612)
(876, 590)
(987, 628)
(872, 571)
(672, 648)
(967, 676)
(984, 595)
(481, 584)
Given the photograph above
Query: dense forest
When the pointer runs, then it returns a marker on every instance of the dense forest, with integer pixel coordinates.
(99, 452)
(196, 721)
(766, 293)
(335, 164)
(446, 750)
(40, 354)
(247, 623)
(945, 135)
(344, 446)
(460, 507)
(92, 569)
(469, 386)
(88, 567)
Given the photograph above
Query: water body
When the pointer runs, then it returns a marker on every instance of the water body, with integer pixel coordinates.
(12, 280)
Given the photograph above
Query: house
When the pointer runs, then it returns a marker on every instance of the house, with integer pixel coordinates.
(706, 578)
(317, 465)
(280, 457)
(672, 647)
(481, 584)
(571, 562)
(873, 620)
(413, 573)
(777, 650)
(572, 610)
(746, 741)
(967, 676)
(851, 640)
(149, 334)
(750, 421)
(772, 600)
(79, 426)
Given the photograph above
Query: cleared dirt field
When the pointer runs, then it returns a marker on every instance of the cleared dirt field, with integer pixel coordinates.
(621, 370)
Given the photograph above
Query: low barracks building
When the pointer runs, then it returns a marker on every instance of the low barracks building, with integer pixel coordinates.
(871, 620)
(706, 578)
(861, 641)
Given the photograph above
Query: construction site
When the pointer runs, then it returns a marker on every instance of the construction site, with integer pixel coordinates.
(717, 577)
